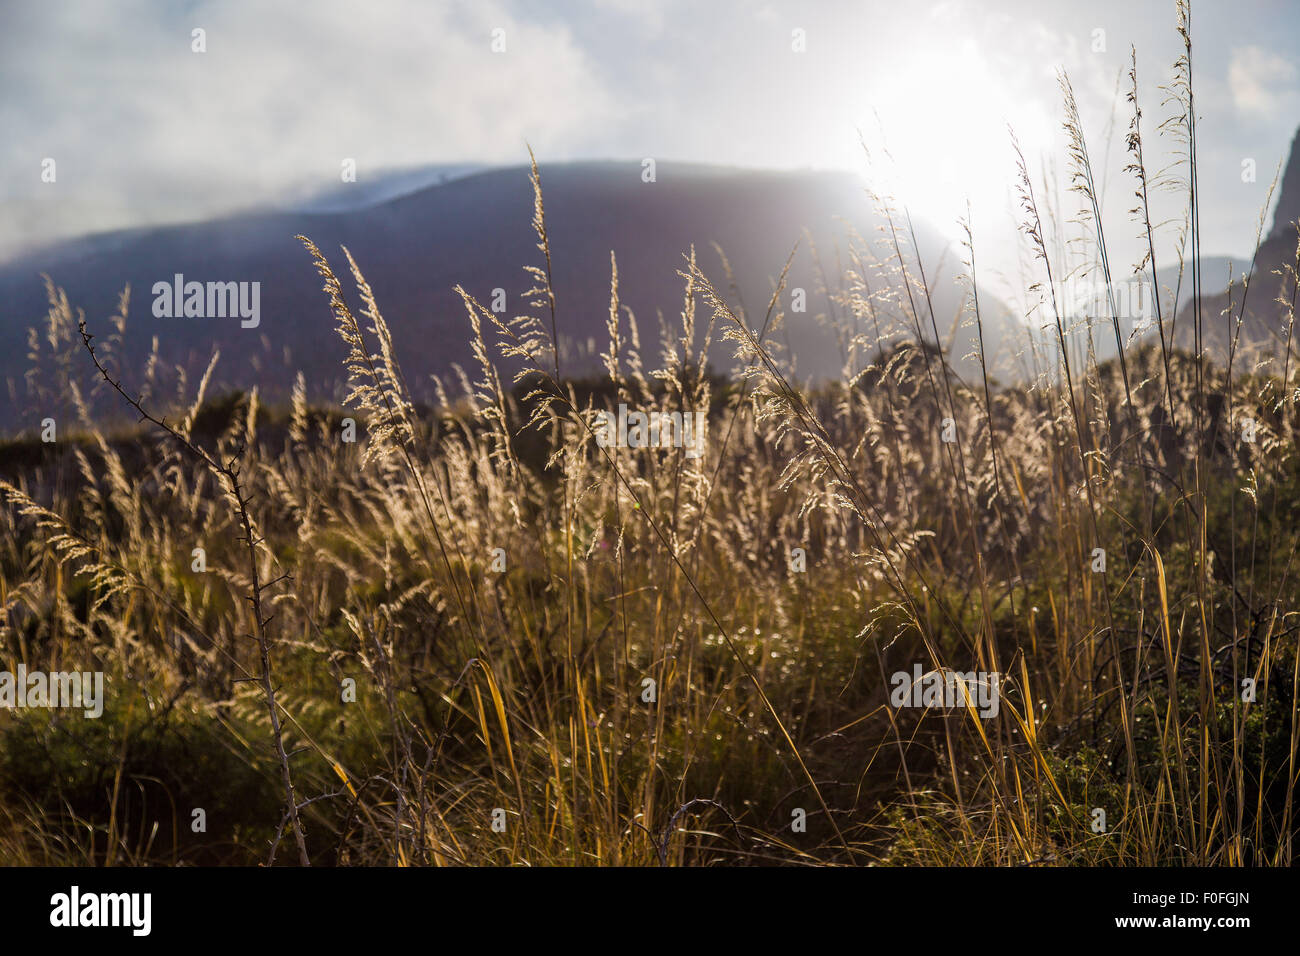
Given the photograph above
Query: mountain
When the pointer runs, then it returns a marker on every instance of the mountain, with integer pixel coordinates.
(1287, 212)
(419, 235)
(394, 184)
(1215, 273)
(1263, 330)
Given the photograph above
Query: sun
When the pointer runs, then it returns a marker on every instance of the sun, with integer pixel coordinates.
(935, 124)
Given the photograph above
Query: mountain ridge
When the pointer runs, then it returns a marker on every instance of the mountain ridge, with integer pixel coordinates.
(474, 231)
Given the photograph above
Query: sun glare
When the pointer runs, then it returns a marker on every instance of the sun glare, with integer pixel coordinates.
(935, 123)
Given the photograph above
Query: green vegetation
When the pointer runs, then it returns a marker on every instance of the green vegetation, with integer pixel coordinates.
(503, 715)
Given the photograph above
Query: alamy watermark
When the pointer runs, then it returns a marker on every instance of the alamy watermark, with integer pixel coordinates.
(1129, 300)
(213, 300)
(947, 688)
(652, 430)
(32, 689)
(75, 909)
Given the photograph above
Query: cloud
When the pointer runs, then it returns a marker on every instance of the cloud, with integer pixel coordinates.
(649, 17)
(145, 131)
(140, 126)
(1263, 84)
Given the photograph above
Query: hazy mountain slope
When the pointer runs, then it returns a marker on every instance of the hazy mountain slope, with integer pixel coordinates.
(475, 231)
(1263, 330)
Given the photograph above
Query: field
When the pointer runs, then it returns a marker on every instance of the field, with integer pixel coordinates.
(400, 633)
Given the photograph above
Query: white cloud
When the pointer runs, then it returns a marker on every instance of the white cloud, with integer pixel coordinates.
(1263, 83)
(144, 130)
(140, 124)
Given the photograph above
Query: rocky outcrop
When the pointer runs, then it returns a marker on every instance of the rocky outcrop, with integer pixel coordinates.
(1288, 202)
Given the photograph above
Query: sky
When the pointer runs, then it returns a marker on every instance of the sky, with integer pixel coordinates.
(143, 129)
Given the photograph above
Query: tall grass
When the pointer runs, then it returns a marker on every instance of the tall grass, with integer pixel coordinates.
(650, 679)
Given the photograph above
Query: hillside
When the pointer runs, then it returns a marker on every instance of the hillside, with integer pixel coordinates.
(1263, 331)
(475, 230)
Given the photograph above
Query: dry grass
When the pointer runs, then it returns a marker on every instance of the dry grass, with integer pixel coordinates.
(486, 696)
